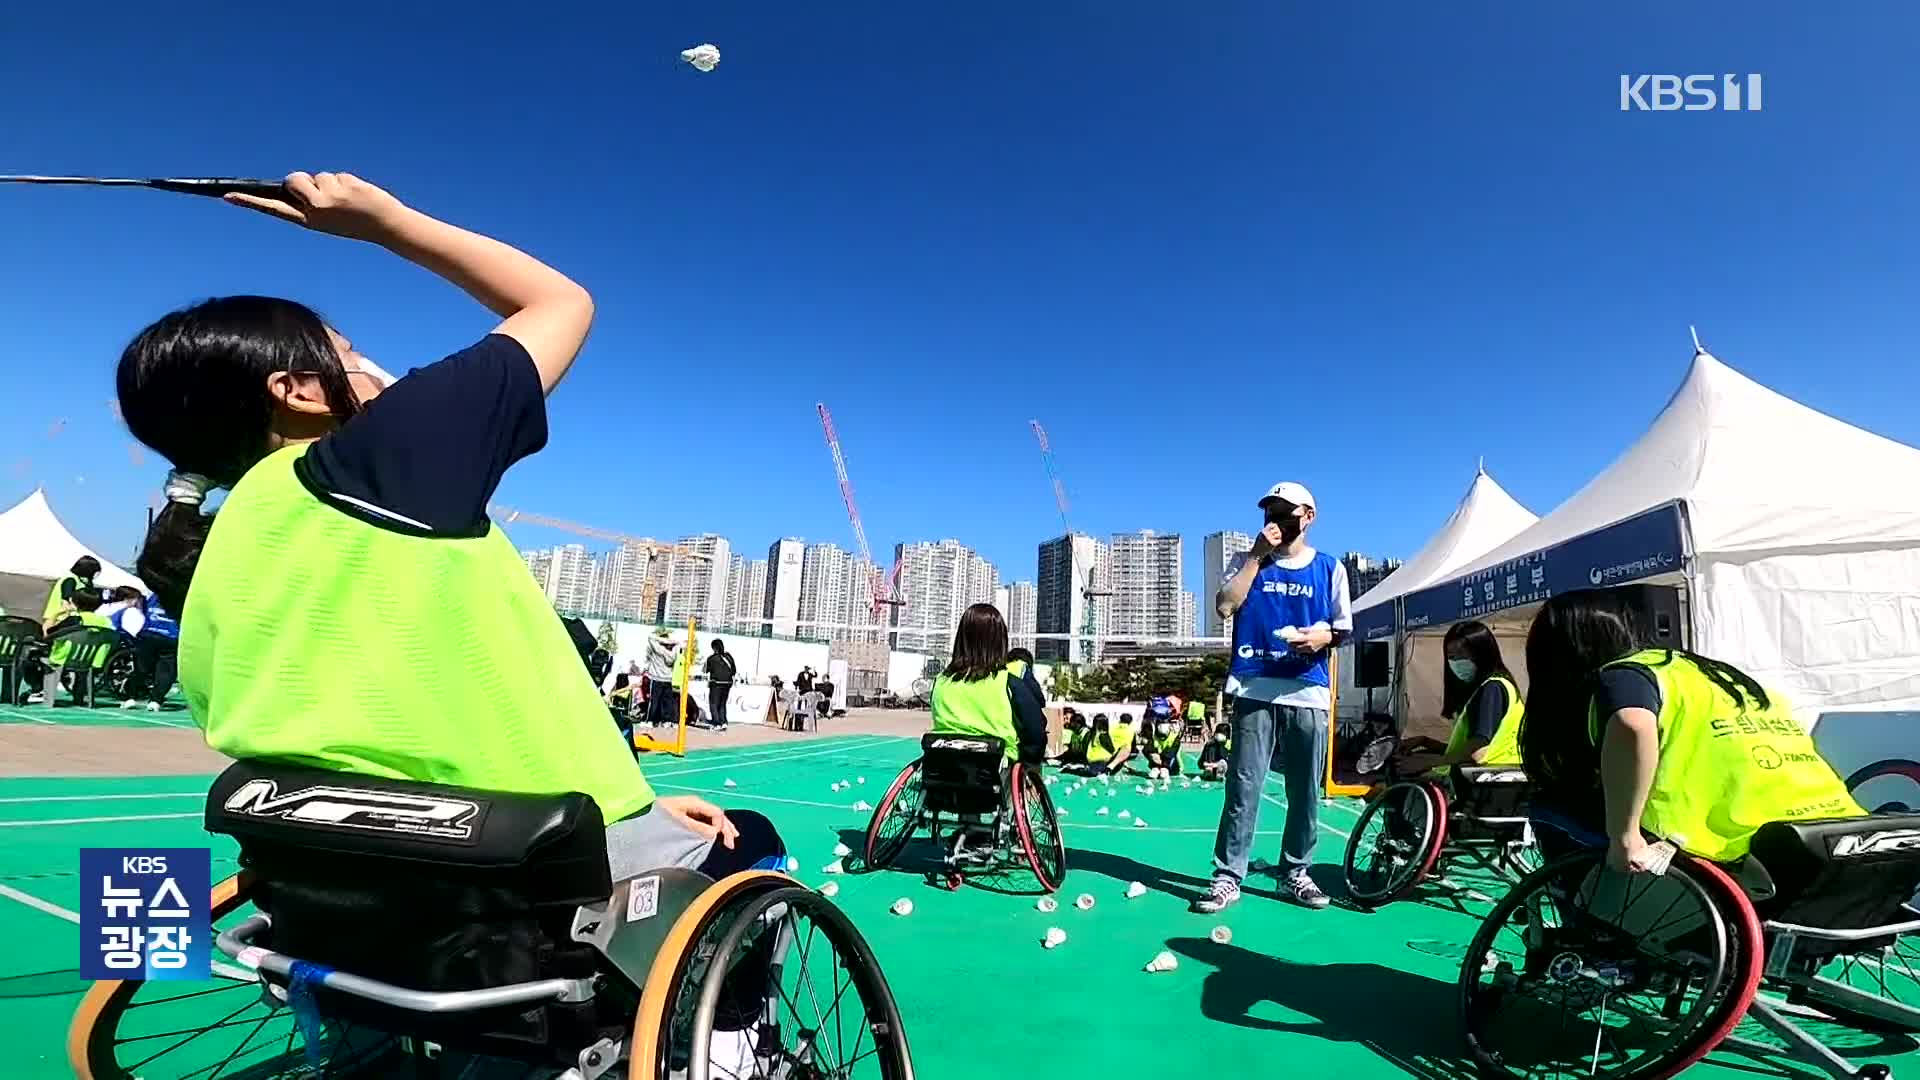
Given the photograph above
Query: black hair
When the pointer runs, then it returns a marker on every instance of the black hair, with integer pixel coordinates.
(719, 646)
(126, 594)
(193, 387)
(1022, 654)
(1223, 728)
(85, 567)
(87, 599)
(1479, 644)
(979, 645)
(1126, 718)
(1100, 720)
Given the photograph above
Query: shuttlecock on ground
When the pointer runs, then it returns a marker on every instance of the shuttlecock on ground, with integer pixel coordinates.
(1106, 779)
(1062, 811)
(704, 58)
(842, 851)
(902, 906)
(1102, 812)
(1046, 903)
(1052, 780)
(1135, 890)
(1164, 961)
(1125, 814)
(835, 786)
(1055, 938)
(831, 888)
(834, 867)
(862, 806)
(1220, 935)
(729, 783)
(859, 779)
(1139, 823)
(1258, 866)
(1084, 901)
(1149, 792)
(792, 865)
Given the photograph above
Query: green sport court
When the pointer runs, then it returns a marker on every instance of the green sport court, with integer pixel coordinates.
(1339, 993)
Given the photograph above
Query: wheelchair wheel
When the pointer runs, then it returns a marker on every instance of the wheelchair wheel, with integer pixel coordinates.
(129, 1028)
(1579, 971)
(1395, 843)
(1038, 827)
(895, 819)
(118, 676)
(1891, 972)
(814, 1011)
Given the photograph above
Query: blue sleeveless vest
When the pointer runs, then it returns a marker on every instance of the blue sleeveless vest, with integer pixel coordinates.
(1281, 598)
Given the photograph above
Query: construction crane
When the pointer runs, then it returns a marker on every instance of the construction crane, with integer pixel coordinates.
(884, 586)
(1087, 591)
(507, 515)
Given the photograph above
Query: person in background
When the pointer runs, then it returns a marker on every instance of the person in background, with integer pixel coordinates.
(1159, 738)
(662, 654)
(720, 672)
(1479, 698)
(824, 687)
(979, 694)
(118, 599)
(83, 610)
(1075, 735)
(1109, 746)
(60, 597)
(1290, 607)
(1197, 714)
(803, 682)
(1214, 755)
(156, 641)
(1024, 657)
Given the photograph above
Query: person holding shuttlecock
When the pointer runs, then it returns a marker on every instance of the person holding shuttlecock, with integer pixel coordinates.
(1290, 607)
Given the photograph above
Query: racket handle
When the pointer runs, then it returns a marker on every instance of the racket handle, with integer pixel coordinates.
(217, 186)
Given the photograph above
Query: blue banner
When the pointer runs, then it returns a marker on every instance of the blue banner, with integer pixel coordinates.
(1643, 546)
(1375, 623)
(144, 913)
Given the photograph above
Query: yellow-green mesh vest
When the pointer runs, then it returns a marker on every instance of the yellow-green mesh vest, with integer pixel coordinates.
(61, 650)
(1504, 747)
(979, 707)
(54, 600)
(1167, 743)
(1119, 739)
(313, 637)
(1078, 739)
(1196, 711)
(1727, 769)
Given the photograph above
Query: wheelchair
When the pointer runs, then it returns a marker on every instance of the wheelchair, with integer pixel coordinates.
(383, 928)
(1414, 832)
(985, 816)
(1583, 970)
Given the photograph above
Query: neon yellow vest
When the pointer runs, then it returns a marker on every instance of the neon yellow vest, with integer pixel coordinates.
(312, 637)
(1504, 747)
(1165, 743)
(54, 602)
(1078, 740)
(1196, 711)
(979, 707)
(61, 650)
(1726, 770)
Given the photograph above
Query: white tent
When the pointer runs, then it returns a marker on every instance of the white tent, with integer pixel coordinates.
(33, 543)
(1485, 517)
(1796, 537)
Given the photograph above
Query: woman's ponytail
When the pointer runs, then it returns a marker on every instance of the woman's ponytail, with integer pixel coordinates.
(171, 551)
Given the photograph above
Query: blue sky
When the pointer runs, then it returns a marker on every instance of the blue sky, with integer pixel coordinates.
(1209, 246)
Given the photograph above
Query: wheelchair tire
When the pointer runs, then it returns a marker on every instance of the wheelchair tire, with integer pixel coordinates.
(1561, 954)
(119, 675)
(879, 1017)
(1370, 890)
(98, 1049)
(900, 807)
(667, 1001)
(1038, 826)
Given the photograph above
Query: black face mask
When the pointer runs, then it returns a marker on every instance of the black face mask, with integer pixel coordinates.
(1288, 520)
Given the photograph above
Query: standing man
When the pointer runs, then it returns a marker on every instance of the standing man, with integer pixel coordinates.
(661, 656)
(1290, 606)
(720, 672)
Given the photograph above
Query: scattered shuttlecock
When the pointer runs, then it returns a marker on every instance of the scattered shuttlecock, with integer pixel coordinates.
(835, 786)
(902, 906)
(859, 779)
(1148, 793)
(1125, 814)
(1164, 961)
(1052, 780)
(834, 867)
(1046, 903)
(1220, 935)
(1084, 901)
(1102, 812)
(1139, 823)
(842, 851)
(1259, 866)
(1106, 779)
(1055, 938)
(792, 865)
(1062, 811)
(862, 806)
(704, 58)
(831, 888)
(729, 783)
(1135, 890)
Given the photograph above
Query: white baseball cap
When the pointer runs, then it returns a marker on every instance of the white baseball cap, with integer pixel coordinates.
(1288, 491)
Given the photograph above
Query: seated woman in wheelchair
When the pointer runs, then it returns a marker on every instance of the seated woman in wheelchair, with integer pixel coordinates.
(351, 607)
(1479, 696)
(1632, 742)
(982, 693)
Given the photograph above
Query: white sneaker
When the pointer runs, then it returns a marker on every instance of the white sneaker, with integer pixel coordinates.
(153, 706)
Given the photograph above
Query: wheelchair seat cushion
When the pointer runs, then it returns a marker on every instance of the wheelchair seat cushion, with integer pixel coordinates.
(1840, 873)
(1491, 791)
(963, 774)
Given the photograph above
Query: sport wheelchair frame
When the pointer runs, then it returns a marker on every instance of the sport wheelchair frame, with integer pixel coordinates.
(1413, 830)
(978, 809)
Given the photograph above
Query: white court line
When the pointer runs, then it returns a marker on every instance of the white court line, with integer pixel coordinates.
(102, 798)
(779, 758)
(23, 713)
(731, 794)
(762, 752)
(97, 820)
(38, 904)
(1337, 832)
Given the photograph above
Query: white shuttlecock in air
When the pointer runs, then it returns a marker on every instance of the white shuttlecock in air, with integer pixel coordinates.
(729, 783)
(841, 851)
(1102, 812)
(1055, 938)
(703, 57)
(1135, 890)
(1164, 961)
(862, 806)
(834, 867)
(902, 906)
(1046, 903)
(1084, 901)
(831, 888)
(1139, 823)
(1125, 814)
(1220, 935)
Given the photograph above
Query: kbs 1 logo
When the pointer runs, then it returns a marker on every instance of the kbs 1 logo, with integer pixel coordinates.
(145, 913)
(1690, 93)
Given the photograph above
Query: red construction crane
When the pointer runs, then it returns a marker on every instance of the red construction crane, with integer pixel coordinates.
(883, 584)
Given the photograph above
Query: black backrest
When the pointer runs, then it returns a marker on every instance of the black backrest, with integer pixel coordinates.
(1491, 791)
(1840, 873)
(962, 774)
(15, 631)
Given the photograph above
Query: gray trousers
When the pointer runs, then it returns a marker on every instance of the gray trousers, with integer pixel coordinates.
(651, 841)
(1268, 737)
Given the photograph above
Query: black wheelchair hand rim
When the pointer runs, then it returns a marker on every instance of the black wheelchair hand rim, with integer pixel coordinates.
(884, 848)
(1422, 844)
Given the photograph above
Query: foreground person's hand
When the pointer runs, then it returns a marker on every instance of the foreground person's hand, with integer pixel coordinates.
(700, 816)
(338, 203)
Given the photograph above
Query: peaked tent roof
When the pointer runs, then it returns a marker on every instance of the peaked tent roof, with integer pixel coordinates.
(1485, 518)
(34, 543)
(1757, 470)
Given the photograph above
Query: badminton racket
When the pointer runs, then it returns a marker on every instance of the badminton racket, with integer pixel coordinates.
(211, 186)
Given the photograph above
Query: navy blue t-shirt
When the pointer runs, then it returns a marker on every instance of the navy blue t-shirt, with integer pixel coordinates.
(427, 454)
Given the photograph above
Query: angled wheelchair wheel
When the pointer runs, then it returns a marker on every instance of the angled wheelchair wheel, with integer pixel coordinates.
(795, 978)
(895, 819)
(119, 675)
(235, 1027)
(1580, 971)
(1395, 843)
(1038, 827)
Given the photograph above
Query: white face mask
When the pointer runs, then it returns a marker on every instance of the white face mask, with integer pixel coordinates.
(1462, 669)
(378, 373)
